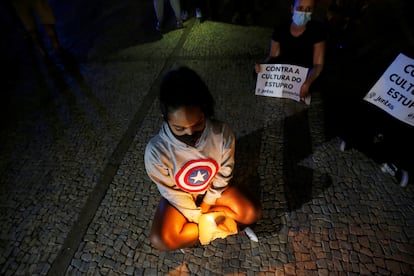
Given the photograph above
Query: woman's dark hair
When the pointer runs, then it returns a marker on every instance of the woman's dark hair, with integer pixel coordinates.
(184, 87)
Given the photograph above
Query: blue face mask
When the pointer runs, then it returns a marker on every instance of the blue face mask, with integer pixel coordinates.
(301, 18)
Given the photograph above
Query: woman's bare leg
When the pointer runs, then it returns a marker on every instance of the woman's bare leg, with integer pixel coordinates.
(171, 230)
(238, 206)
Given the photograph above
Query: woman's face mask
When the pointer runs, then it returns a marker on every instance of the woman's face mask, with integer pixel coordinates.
(301, 18)
(190, 140)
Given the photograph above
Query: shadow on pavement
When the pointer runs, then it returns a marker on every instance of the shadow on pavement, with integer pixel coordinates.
(247, 178)
(99, 28)
(285, 190)
(300, 186)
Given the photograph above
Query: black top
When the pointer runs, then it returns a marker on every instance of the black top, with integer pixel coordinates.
(298, 50)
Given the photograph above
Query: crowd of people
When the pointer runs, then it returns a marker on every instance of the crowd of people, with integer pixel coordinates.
(242, 12)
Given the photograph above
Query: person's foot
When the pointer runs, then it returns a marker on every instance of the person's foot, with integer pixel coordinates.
(400, 175)
(342, 145)
(236, 18)
(250, 233)
(249, 19)
(179, 24)
(378, 138)
(403, 178)
(389, 168)
(198, 14)
(184, 15)
(159, 27)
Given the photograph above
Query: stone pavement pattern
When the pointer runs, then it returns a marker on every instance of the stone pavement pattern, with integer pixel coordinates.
(75, 198)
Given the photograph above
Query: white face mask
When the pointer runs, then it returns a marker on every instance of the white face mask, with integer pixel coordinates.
(301, 18)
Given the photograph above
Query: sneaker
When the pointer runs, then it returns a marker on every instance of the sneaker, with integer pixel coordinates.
(198, 13)
(400, 175)
(249, 19)
(389, 168)
(159, 27)
(179, 24)
(402, 178)
(252, 236)
(342, 145)
(236, 18)
(378, 138)
(184, 15)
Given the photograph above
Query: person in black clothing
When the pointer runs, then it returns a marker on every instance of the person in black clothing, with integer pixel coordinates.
(301, 42)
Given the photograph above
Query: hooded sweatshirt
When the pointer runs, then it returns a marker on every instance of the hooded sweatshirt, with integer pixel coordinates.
(182, 172)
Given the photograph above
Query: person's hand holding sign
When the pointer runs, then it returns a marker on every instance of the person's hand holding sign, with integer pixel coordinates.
(304, 90)
(257, 68)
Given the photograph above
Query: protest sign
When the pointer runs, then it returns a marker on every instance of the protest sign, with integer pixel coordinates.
(282, 81)
(394, 91)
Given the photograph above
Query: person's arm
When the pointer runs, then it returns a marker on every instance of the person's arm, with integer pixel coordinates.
(225, 173)
(315, 71)
(274, 52)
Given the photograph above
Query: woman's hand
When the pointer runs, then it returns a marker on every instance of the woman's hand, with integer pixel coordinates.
(205, 207)
(258, 68)
(304, 90)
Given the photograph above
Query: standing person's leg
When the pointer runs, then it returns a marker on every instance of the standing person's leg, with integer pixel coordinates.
(359, 126)
(175, 4)
(48, 20)
(185, 8)
(397, 150)
(24, 11)
(243, 12)
(159, 12)
(248, 11)
(200, 9)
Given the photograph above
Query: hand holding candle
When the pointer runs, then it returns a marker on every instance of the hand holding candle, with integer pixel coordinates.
(215, 225)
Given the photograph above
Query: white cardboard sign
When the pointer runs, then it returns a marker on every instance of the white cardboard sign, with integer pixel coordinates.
(394, 91)
(282, 81)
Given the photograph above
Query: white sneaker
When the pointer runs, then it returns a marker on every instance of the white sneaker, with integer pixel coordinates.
(342, 145)
(158, 27)
(400, 174)
(179, 24)
(389, 168)
(403, 178)
(184, 15)
(252, 236)
(198, 13)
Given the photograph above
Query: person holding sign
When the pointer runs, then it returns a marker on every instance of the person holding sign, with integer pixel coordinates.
(385, 132)
(191, 161)
(301, 42)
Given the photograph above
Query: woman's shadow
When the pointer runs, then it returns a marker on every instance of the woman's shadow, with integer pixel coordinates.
(277, 191)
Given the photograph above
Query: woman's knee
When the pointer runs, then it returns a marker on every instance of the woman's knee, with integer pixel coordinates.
(160, 241)
(157, 241)
(253, 212)
(248, 211)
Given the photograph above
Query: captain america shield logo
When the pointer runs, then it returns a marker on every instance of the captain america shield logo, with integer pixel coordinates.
(196, 175)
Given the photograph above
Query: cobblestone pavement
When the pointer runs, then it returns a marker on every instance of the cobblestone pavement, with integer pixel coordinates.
(75, 198)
